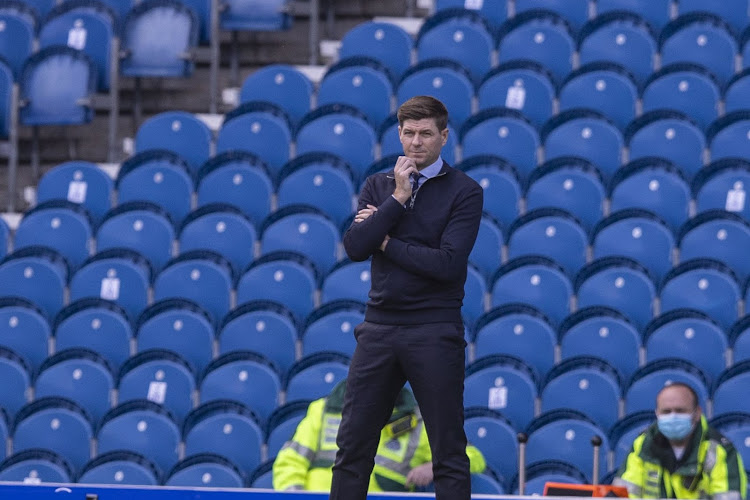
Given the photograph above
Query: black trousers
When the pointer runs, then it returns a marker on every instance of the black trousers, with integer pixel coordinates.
(431, 358)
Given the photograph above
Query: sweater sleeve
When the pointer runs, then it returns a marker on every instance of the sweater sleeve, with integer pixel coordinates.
(448, 262)
(293, 461)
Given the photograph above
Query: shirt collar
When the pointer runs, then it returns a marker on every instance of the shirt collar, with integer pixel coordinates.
(434, 169)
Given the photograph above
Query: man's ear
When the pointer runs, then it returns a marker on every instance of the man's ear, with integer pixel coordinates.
(444, 135)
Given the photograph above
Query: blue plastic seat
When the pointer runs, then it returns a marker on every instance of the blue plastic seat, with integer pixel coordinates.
(245, 377)
(57, 224)
(3, 432)
(160, 376)
(735, 427)
(96, 324)
(43, 465)
(619, 283)
(733, 12)
(536, 281)
(361, 82)
(206, 470)
(139, 226)
(259, 128)
(502, 383)
(157, 37)
(525, 86)
(602, 332)
(504, 133)
(282, 424)
(227, 428)
(321, 180)
(552, 233)
(17, 39)
(272, 15)
(516, 330)
(604, 87)
(55, 424)
(706, 285)
(638, 235)
(624, 432)
(541, 36)
(80, 375)
(493, 12)
(587, 384)
(501, 185)
(684, 87)
(652, 184)
(179, 325)
(728, 389)
(486, 254)
(739, 338)
(391, 147)
(475, 290)
(645, 384)
(538, 474)
(584, 133)
(347, 280)
(701, 38)
(719, 235)
(670, 135)
(118, 275)
(576, 12)
(387, 43)
(314, 376)
(262, 477)
(37, 274)
(620, 37)
(443, 80)
(727, 136)
(331, 328)
(288, 278)
(495, 437)
(14, 392)
(68, 101)
(341, 130)
(487, 483)
(5, 238)
(656, 12)
(282, 85)
(735, 92)
(143, 427)
(78, 182)
(177, 131)
(721, 185)
(25, 330)
(120, 467)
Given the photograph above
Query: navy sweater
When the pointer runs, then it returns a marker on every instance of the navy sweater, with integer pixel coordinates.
(420, 277)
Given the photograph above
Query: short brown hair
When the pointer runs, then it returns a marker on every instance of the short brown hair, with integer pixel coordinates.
(687, 387)
(422, 107)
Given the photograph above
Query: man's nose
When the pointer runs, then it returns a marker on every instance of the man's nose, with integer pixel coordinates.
(417, 139)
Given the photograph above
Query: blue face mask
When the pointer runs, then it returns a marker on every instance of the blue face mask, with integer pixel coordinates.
(675, 426)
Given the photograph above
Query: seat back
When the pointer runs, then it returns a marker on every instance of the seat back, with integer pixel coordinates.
(25, 330)
(16, 376)
(646, 383)
(281, 85)
(347, 280)
(38, 274)
(727, 389)
(120, 467)
(177, 131)
(207, 470)
(331, 328)
(314, 376)
(385, 42)
(16, 40)
(501, 185)
(79, 182)
(42, 465)
(494, 436)
(282, 424)
(525, 86)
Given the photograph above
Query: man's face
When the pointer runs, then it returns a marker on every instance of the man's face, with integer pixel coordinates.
(422, 141)
(676, 399)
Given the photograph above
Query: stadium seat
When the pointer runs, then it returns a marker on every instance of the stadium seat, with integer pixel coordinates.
(584, 133)
(5, 238)
(259, 128)
(602, 332)
(262, 477)
(645, 384)
(728, 136)
(331, 328)
(314, 376)
(706, 285)
(739, 338)
(721, 185)
(604, 87)
(118, 275)
(282, 85)
(487, 483)
(140, 226)
(37, 274)
(38, 465)
(670, 135)
(728, 389)
(288, 278)
(179, 325)
(525, 86)
(321, 180)
(206, 470)
(179, 132)
(552, 233)
(502, 383)
(388, 43)
(78, 182)
(96, 324)
(55, 424)
(689, 335)
(619, 283)
(652, 184)
(538, 474)
(736, 428)
(656, 12)
(391, 147)
(735, 92)
(684, 87)
(15, 390)
(495, 437)
(701, 38)
(18, 37)
(347, 280)
(227, 428)
(120, 467)
(3, 433)
(536, 281)
(25, 330)
(504, 133)
(719, 235)
(495, 12)
(638, 235)
(269, 15)
(570, 183)
(733, 12)
(160, 376)
(500, 183)
(158, 37)
(620, 37)
(239, 179)
(244, 377)
(282, 424)
(143, 427)
(516, 330)
(624, 432)
(475, 291)
(540, 36)
(576, 12)
(486, 254)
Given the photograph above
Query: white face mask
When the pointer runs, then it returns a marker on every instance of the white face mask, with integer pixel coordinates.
(675, 426)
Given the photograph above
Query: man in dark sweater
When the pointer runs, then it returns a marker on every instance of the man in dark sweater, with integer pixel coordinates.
(418, 223)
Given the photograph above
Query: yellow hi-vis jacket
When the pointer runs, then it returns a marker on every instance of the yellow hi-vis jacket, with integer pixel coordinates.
(710, 468)
(305, 462)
